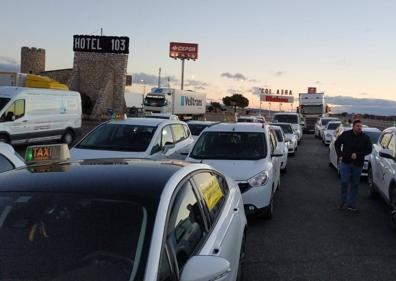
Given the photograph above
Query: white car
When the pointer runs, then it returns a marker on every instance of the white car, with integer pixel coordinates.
(372, 133)
(292, 118)
(146, 138)
(250, 119)
(283, 146)
(9, 159)
(329, 131)
(291, 139)
(382, 170)
(249, 154)
(321, 124)
(196, 127)
(119, 219)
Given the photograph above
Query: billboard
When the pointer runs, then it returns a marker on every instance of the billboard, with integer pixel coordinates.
(187, 51)
(101, 44)
(277, 98)
(311, 90)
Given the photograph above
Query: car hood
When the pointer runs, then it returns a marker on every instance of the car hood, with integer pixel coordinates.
(239, 170)
(79, 154)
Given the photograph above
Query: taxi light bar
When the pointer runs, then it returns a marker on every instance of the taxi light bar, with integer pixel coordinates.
(47, 153)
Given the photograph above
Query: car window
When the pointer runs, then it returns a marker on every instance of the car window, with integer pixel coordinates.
(15, 111)
(392, 145)
(50, 236)
(287, 118)
(178, 132)
(186, 227)
(196, 129)
(385, 139)
(119, 137)
(212, 192)
(279, 135)
(164, 269)
(166, 136)
(186, 131)
(5, 164)
(273, 142)
(3, 102)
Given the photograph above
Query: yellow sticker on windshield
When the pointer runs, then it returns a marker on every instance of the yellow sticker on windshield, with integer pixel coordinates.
(211, 192)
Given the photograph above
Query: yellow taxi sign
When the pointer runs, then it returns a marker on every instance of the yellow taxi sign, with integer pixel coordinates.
(211, 192)
(46, 153)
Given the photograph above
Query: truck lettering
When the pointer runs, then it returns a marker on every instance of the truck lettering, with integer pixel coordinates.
(190, 101)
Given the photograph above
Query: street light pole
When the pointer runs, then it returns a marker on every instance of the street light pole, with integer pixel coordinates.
(182, 75)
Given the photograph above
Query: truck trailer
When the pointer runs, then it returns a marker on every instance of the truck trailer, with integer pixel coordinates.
(186, 105)
(312, 106)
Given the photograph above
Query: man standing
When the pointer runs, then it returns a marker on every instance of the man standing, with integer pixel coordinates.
(351, 147)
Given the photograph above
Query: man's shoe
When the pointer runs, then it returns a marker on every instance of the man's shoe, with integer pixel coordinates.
(353, 209)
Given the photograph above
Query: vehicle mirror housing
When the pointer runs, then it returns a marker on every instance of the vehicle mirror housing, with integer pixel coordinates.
(277, 152)
(203, 268)
(167, 147)
(387, 153)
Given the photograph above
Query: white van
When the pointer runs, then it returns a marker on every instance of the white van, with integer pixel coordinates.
(291, 118)
(29, 115)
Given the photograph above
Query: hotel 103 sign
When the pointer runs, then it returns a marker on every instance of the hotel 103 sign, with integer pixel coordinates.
(101, 44)
(188, 51)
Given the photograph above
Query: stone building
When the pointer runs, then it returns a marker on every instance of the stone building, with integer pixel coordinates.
(32, 60)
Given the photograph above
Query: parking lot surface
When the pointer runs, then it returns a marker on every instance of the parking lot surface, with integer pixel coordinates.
(310, 239)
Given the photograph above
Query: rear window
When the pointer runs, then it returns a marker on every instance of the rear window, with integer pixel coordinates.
(287, 129)
(374, 136)
(119, 137)
(196, 129)
(326, 121)
(333, 126)
(72, 237)
(245, 120)
(292, 119)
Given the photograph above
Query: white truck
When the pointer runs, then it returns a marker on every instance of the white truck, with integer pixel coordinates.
(312, 106)
(185, 104)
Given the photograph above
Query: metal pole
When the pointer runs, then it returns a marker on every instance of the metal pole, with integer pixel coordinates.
(182, 75)
(159, 78)
(260, 105)
(101, 31)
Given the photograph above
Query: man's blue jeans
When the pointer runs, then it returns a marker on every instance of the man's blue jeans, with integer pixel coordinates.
(350, 178)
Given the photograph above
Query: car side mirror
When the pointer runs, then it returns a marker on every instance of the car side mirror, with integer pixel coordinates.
(200, 268)
(167, 147)
(387, 153)
(277, 152)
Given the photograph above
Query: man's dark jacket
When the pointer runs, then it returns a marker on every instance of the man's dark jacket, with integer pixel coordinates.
(349, 143)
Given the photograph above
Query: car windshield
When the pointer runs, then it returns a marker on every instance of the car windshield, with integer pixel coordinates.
(230, 145)
(287, 118)
(245, 120)
(325, 121)
(333, 126)
(287, 129)
(154, 100)
(3, 102)
(196, 129)
(120, 137)
(59, 237)
(374, 136)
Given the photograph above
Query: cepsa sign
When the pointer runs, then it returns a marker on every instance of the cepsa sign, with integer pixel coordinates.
(101, 44)
(183, 50)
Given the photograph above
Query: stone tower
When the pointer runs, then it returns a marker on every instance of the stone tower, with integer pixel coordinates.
(32, 60)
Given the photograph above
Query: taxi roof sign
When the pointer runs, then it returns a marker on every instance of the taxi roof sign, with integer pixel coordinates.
(47, 153)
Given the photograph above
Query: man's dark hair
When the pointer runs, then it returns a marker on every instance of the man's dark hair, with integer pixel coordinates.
(356, 122)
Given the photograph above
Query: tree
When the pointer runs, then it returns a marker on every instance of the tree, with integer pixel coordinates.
(236, 100)
(216, 106)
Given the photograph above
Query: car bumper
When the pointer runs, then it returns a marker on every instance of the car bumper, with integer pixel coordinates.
(257, 197)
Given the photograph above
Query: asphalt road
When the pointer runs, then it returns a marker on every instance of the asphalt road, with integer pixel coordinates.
(309, 239)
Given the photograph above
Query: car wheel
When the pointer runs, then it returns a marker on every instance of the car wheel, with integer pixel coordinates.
(393, 208)
(268, 212)
(242, 257)
(4, 138)
(370, 182)
(68, 137)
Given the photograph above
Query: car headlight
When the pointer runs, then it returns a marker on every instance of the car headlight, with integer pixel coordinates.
(259, 179)
(287, 142)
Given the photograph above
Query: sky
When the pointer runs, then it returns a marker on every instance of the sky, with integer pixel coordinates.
(344, 48)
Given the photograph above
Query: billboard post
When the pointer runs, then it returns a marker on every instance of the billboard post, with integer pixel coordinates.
(183, 51)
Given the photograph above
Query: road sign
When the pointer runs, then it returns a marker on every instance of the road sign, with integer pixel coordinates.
(183, 51)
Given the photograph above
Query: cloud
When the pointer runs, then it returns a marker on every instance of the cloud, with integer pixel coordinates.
(361, 105)
(236, 76)
(279, 73)
(196, 84)
(254, 80)
(363, 94)
(318, 82)
(9, 64)
(149, 79)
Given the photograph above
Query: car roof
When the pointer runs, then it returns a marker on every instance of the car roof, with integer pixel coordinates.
(237, 127)
(120, 177)
(145, 121)
(196, 122)
(331, 118)
(334, 122)
(280, 123)
(365, 129)
(286, 113)
(390, 129)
